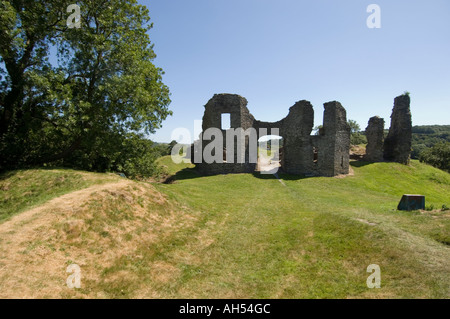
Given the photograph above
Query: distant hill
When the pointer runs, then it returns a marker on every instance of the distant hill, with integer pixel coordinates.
(431, 129)
(426, 136)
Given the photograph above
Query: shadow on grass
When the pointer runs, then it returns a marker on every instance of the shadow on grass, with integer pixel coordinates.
(359, 163)
(7, 174)
(281, 175)
(185, 173)
(191, 173)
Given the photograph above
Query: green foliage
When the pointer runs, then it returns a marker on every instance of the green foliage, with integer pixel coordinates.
(437, 156)
(426, 136)
(131, 154)
(104, 87)
(417, 149)
(171, 145)
(431, 129)
(137, 158)
(357, 139)
(164, 149)
(356, 136)
(354, 126)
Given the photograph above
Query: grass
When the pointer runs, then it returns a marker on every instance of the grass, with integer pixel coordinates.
(313, 237)
(169, 167)
(23, 189)
(244, 236)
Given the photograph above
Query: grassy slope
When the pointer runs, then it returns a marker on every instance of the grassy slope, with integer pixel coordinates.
(248, 236)
(311, 237)
(23, 189)
(169, 167)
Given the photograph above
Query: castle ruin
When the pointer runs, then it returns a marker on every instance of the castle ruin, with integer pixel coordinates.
(325, 154)
(396, 147)
(375, 139)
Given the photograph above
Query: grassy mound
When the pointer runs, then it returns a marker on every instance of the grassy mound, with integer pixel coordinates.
(23, 189)
(227, 236)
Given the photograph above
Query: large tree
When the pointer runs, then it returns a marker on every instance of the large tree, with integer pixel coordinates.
(103, 87)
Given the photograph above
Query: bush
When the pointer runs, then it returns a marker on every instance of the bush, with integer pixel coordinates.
(357, 139)
(130, 154)
(417, 149)
(437, 156)
(356, 136)
(137, 158)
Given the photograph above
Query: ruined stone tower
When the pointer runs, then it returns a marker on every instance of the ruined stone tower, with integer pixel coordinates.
(397, 146)
(333, 142)
(375, 139)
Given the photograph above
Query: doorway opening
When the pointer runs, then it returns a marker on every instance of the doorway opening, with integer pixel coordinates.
(270, 154)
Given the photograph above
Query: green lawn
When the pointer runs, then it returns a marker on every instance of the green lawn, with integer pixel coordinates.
(232, 236)
(315, 237)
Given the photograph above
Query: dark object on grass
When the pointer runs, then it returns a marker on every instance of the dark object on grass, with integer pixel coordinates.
(412, 202)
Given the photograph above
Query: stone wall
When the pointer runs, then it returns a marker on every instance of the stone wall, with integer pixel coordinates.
(397, 145)
(375, 140)
(325, 154)
(236, 106)
(333, 142)
(295, 129)
(332, 146)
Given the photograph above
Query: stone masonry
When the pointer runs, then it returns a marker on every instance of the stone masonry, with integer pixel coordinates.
(375, 140)
(326, 154)
(397, 145)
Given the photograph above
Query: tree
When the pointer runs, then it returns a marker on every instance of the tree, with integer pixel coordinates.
(437, 156)
(104, 87)
(171, 145)
(356, 137)
(26, 30)
(354, 126)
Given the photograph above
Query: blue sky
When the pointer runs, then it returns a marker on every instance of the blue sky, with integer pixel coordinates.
(275, 53)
